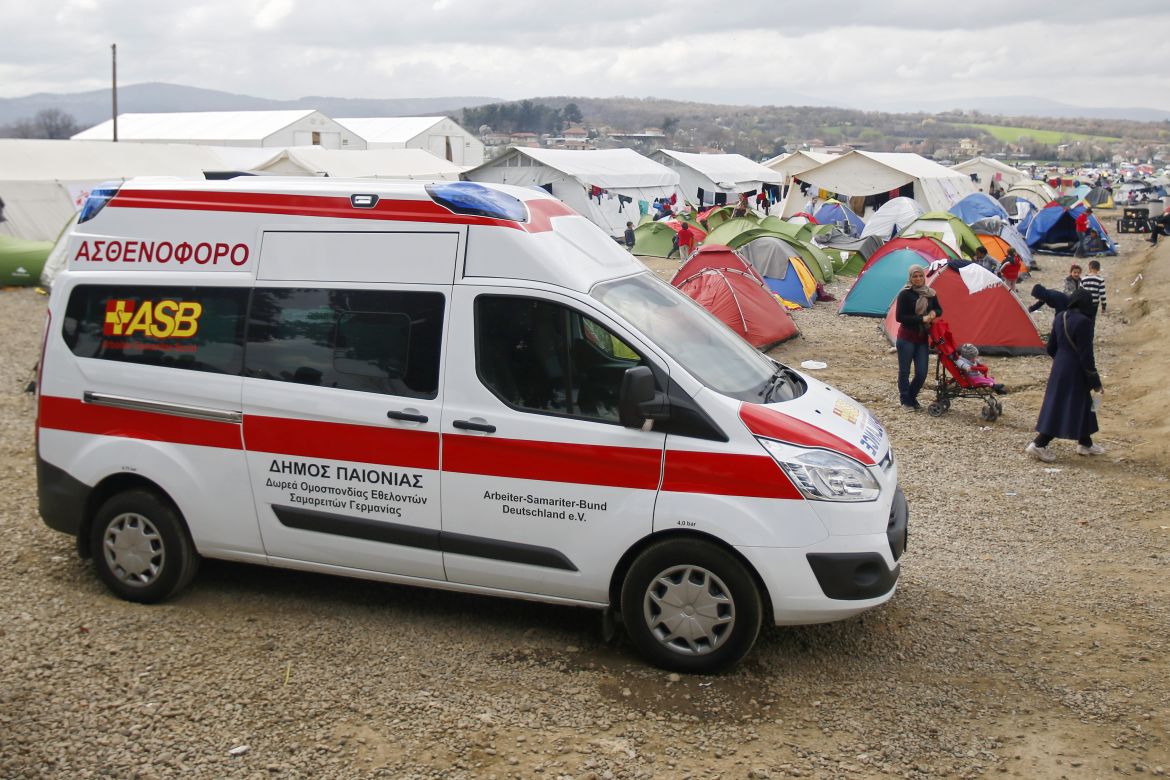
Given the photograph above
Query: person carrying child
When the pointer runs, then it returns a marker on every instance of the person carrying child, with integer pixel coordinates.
(1094, 284)
(967, 361)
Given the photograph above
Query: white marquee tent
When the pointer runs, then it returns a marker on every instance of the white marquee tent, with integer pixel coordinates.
(795, 163)
(304, 127)
(703, 176)
(603, 185)
(439, 135)
(363, 164)
(987, 170)
(855, 173)
(44, 182)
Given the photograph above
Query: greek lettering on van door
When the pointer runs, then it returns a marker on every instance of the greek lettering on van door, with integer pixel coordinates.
(161, 252)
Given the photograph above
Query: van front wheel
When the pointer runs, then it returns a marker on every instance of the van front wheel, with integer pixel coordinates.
(690, 606)
(140, 547)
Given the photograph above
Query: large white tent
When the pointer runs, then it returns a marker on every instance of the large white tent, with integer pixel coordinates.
(856, 173)
(716, 178)
(986, 170)
(794, 163)
(603, 185)
(304, 127)
(439, 135)
(364, 164)
(44, 182)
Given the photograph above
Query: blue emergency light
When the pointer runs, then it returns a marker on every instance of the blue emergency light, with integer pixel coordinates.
(469, 197)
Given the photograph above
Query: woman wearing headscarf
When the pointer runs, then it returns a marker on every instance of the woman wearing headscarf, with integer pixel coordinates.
(1067, 411)
(917, 307)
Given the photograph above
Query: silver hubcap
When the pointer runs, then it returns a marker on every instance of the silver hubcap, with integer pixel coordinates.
(689, 609)
(133, 549)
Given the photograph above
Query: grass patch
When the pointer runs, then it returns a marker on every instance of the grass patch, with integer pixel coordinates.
(1012, 135)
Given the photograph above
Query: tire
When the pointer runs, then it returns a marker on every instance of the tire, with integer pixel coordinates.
(141, 548)
(935, 409)
(989, 413)
(719, 604)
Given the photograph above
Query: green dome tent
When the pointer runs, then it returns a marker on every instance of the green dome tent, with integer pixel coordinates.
(946, 227)
(21, 261)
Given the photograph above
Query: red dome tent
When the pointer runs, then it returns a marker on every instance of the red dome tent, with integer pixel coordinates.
(726, 285)
(979, 309)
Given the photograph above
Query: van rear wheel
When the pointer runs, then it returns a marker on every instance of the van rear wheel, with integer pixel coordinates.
(690, 606)
(141, 549)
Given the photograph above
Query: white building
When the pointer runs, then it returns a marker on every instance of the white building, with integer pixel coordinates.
(229, 128)
(439, 135)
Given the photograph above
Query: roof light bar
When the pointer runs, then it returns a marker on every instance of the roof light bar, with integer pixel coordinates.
(469, 197)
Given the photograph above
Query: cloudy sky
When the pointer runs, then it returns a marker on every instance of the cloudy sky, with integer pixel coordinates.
(864, 53)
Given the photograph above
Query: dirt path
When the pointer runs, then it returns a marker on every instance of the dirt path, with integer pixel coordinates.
(1028, 636)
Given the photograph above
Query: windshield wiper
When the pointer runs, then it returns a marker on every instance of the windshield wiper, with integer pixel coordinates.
(778, 379)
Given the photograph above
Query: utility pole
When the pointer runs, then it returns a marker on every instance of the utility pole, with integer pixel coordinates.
(114, 79)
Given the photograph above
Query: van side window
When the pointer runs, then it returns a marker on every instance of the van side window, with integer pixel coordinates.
(374, 341)
(544, 357)
(193, 328)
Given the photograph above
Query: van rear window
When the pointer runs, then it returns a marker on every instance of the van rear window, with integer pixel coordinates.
(193, 328)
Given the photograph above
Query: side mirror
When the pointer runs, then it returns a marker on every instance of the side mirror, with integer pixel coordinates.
(639, 401)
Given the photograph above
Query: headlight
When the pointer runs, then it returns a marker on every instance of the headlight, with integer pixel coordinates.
(822, 475)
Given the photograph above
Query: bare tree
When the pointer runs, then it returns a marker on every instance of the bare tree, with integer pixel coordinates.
(49, 123)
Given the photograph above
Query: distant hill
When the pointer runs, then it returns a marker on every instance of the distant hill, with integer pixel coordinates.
(1025, 106)
(90, 108)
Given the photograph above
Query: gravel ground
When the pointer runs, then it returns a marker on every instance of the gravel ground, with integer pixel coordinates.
(1028, 636)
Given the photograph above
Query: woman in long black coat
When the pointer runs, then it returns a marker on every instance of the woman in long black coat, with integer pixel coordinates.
(1067, 411)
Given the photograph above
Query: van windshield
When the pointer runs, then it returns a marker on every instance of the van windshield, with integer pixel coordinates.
(709, 350)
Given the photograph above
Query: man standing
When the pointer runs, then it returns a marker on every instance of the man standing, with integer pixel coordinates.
(1082, 231)
(686, 242)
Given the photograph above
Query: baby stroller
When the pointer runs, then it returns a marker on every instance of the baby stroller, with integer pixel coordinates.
(950, 382)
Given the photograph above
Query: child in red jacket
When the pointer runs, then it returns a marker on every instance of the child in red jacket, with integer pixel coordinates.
(1010, 270)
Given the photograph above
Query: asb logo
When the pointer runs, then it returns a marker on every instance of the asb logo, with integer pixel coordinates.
(158, 319)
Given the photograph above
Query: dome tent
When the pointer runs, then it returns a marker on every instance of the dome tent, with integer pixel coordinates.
(980, 310)
(1054, 230)
(894, 214)
(782, 269)
(833, 212)
(874, 290)
(930, 248)
(977, 206)
(736, 295)
(946, 227)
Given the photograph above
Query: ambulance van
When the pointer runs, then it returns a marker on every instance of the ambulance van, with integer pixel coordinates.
(452, 385)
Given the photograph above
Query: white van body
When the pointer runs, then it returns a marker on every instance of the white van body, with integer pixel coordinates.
(425, 385)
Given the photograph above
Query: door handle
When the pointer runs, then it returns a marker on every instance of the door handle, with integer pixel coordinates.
(407, 417)
(468, 425)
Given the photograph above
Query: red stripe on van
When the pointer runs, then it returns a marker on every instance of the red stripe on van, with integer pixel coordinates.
(337, 207)
(342, 441)
(583, 464)
(70, 414)
(756, 476)
(782, 427)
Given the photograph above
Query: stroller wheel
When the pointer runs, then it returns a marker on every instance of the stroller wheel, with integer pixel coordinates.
(989, 413)
(945, 403)
(935, 409)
